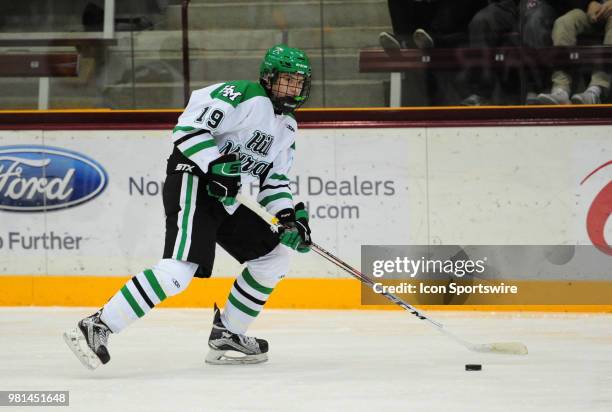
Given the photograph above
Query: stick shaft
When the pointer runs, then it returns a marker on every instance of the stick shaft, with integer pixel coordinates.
(257, 209)
(515, 348)
(364, 279)
(272, 220)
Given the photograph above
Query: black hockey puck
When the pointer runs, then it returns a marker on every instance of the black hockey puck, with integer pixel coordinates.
(473, 367)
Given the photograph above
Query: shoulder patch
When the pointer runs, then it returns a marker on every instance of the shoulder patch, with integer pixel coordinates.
(238, 91)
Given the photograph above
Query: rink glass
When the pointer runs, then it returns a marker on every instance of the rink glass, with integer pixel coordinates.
(140, 63)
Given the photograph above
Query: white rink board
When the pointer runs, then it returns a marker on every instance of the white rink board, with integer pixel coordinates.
(122, 230)
(364, 186)
(518, 185)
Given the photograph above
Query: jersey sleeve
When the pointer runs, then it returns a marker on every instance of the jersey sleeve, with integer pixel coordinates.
(211, 112)
(274, 193)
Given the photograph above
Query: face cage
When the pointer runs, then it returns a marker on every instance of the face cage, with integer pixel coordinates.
(287, 104)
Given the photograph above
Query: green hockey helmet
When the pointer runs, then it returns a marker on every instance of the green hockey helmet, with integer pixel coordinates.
(284, 59)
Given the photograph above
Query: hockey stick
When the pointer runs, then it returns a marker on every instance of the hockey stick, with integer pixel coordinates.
(513, 348)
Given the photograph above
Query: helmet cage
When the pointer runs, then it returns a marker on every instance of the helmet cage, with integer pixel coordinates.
(284, 59)
(285, 104)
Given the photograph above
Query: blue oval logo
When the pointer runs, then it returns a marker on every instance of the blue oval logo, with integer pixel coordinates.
(43, 178)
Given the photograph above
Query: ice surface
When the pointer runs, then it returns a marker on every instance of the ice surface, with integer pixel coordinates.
(319, 361)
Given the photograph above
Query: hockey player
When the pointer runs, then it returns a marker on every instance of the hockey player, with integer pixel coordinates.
(229, 135)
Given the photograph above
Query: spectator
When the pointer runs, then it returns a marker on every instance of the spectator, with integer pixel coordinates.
(486, 30)
(586, 20)
(442, 23)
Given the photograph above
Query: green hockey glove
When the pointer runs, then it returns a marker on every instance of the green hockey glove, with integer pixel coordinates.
(295, 232)
(224, 178)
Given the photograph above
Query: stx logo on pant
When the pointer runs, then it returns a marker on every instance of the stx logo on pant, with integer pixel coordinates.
(184, 168)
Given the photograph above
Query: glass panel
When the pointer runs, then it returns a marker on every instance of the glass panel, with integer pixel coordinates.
(228, 41)
(135, 66)
(443, 52)
(501, 52)
(144, 69)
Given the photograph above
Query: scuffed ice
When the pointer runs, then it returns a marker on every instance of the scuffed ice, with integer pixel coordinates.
(320, 360)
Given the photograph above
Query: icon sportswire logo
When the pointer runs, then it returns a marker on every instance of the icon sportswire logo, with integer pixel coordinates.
(41, 178)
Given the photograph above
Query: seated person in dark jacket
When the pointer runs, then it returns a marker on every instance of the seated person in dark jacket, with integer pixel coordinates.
(425, 23)
(533, 19)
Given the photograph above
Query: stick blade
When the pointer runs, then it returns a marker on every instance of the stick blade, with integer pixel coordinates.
(508, 348)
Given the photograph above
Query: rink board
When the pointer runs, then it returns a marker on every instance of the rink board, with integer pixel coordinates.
(465, 185)
(313, 293)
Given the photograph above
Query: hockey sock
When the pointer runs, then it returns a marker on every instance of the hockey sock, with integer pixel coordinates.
(245, 301)
(146, 290)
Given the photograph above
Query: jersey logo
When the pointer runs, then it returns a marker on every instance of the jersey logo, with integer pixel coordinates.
(260, 143)
(290, 128)
(230, 92)
(181, 167)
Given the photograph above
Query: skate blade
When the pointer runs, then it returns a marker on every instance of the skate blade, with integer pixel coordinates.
(78, 345)
(220, 357)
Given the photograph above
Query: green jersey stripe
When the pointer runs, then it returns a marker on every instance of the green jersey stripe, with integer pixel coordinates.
(246, 275)
(185, 222)
(130, 299)
(155, 284)
(242, 307)
(199, 147)
(279, 177)
(183, 129)
(268, 199)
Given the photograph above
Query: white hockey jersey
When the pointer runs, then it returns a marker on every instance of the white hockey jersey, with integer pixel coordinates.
(238, 117)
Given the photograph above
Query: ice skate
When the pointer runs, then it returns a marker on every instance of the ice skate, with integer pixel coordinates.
(89, 341)
(242, 349)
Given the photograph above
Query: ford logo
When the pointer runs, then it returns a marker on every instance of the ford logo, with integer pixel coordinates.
(42, 178)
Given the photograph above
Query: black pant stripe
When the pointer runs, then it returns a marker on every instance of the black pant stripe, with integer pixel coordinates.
(246, 295)
(142, 292)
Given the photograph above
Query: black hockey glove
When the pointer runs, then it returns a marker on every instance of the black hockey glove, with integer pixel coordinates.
(224, 178)
(295, 232)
